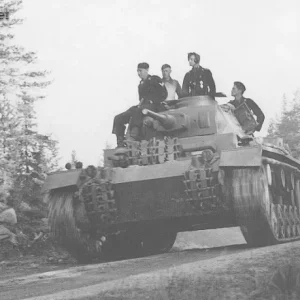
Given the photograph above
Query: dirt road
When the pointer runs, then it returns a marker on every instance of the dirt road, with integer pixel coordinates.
(77, 277)
(228, 272)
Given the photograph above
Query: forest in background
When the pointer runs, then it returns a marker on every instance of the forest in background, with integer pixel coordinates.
(287, 123)
(26, 155)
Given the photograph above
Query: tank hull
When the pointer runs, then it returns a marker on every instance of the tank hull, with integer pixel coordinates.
(206, 174)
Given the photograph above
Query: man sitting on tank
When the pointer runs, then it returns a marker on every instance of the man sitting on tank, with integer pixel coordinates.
(198, 81)
(152, 93)
(237, 92)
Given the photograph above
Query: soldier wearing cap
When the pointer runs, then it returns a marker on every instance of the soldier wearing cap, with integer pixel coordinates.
(237, 92)
(152, 93)
(198, 81)
(172, 85)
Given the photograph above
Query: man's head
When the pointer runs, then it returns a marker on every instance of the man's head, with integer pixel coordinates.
(166, 71)
(142, 70)
(238, 89)
(193, 58)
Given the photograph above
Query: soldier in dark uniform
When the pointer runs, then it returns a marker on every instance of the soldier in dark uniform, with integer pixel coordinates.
(237, 92)
(199, 81)
(152, 93)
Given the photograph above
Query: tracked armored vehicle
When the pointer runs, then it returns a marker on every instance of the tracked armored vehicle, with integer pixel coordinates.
(194, 169)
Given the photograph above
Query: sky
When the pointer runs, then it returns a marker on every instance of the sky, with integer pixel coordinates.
(92, 48)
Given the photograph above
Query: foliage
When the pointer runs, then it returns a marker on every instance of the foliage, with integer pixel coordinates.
(25, 154)
(287, 125)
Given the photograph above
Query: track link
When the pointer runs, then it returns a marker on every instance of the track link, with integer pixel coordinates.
(98, 198)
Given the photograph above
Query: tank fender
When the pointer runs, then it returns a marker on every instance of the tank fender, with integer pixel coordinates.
(62, 179)
(242, 157)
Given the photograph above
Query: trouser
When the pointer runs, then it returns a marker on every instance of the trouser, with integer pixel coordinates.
(133, 116)
(137, 116)
(121, 120)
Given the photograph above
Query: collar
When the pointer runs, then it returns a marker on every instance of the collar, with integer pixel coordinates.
(143, 80)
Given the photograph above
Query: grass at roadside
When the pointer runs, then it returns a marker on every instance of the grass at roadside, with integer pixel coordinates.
(260, 274)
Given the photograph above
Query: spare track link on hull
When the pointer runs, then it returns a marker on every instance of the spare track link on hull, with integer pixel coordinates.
(202, 189)
(150, 152)
(266, 201)
(98, 198)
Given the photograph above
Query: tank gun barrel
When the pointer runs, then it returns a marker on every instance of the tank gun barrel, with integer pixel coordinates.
(165, 120)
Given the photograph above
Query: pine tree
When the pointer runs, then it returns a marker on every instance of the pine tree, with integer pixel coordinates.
(8, 125)
(287, 125)
(25, 155)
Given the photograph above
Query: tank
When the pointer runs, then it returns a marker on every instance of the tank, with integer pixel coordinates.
(194, 169)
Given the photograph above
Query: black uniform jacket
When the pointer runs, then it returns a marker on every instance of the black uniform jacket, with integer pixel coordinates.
(260, 117)
(152, 89)
(197, 82)
(152, 92)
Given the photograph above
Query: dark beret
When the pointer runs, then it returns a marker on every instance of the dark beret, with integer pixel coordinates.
(143, 65)
(165, 66)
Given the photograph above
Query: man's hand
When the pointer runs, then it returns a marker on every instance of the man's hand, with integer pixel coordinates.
(227, 107)
(165, 105)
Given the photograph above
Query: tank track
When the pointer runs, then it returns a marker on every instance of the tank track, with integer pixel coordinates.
(69, 225)
(266, 201)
